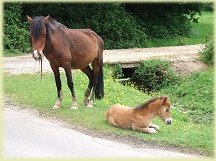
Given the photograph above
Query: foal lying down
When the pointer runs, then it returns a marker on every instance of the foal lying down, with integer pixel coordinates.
(140, 117)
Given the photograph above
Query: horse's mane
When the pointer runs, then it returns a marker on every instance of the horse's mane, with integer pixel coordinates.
(36, 28)
(144, 105)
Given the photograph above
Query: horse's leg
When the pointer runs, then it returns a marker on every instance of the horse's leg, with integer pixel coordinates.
(156, 127)
(71, 87)
(88, 71)
(96, 70)
(146, 130)
(58, 86)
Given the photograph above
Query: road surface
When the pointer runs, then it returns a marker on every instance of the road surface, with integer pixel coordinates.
(26, 135)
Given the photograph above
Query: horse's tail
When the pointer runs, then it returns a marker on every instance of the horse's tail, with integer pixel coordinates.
(99, 90)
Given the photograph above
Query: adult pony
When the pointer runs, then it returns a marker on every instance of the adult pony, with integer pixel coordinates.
(69, 49)
(140, 117)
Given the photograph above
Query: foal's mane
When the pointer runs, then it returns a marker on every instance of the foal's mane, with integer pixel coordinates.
(144, 105)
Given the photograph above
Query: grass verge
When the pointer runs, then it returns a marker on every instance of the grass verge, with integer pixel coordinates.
(194, 96)
(41, 94)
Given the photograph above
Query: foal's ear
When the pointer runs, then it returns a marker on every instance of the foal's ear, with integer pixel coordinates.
(46, 19)
(165, 99)
(29, 19)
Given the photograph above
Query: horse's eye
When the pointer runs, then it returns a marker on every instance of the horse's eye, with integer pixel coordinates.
(167, 110)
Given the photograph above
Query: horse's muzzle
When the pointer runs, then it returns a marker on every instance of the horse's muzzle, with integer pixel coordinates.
(37, 55)
(168, 121)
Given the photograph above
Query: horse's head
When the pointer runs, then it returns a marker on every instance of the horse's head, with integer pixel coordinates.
(164, 110)
(38, 35)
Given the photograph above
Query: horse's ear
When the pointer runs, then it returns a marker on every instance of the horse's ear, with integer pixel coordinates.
(29, 19)
(46, 19)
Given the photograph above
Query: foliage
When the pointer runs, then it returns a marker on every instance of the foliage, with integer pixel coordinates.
(121, 25)
(167, 19)
(153, 75)
(117, 72)
(207, 54)
(198, 34)
(194, 96)
(208, 6)
(16, 37)
(117, 27)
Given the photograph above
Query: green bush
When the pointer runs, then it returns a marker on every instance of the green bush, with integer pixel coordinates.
(117, 27)
(117, 72)
(120, 25)
(208, 6)
(153, 75)
(207, 54)
(165, 20)
(16, 37)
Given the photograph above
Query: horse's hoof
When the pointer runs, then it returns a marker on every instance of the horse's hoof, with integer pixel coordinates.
(56, 106)
(89, 104)
(74, 107)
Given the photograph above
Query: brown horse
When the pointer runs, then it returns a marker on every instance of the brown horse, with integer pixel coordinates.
(140, 117)
(69, 49)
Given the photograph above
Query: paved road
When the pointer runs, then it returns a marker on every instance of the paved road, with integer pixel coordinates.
(26, 135)
(126, 57)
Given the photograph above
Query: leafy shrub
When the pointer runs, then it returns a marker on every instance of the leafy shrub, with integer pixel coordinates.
(117, 27)
(165, 20)
(117, 72)
(16, 37)
(208, 6)
(207, 54)
(153, 75)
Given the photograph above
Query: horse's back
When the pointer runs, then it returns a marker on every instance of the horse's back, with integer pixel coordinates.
(120, 116)
(84, 45)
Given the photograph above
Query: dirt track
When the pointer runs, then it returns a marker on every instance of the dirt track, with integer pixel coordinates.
(183, 59)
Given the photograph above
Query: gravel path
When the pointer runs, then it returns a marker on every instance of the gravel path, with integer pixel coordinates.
(183, 59)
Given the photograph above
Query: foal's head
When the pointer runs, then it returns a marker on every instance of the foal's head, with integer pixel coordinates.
(164, 108)
(38, 35)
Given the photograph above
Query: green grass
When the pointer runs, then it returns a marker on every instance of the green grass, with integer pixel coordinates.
(194, 96)
(198, 34)
(41, 94)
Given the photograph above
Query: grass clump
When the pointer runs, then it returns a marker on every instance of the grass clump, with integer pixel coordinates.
(207, 54)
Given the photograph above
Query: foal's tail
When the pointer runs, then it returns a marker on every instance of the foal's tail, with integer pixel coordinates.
(99, 90)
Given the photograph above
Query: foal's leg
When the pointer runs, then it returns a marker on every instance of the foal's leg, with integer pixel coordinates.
(58, 86)
(88, 71)
(71, 87)
(156, 127)
(146, 130)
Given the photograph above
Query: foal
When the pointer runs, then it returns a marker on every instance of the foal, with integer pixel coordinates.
(140, 117)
